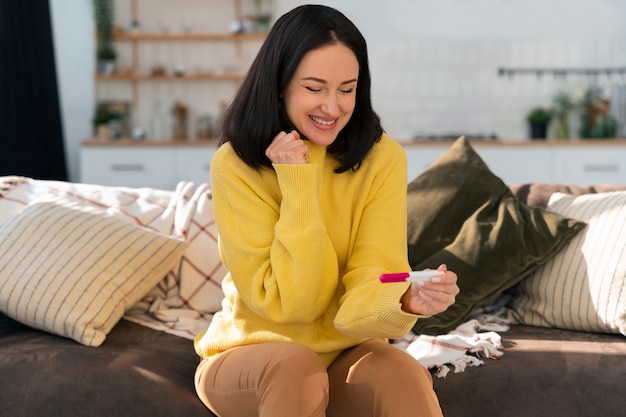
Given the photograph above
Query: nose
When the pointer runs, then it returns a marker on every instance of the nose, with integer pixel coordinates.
(330, 105)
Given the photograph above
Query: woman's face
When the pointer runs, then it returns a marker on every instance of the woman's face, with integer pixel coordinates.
(320, 98)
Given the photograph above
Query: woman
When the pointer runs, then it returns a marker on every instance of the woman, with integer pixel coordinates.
(310, 204)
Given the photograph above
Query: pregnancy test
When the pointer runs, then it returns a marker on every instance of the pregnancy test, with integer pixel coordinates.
(413, 276)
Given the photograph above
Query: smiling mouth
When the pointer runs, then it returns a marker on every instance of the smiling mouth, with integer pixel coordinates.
(322, 121)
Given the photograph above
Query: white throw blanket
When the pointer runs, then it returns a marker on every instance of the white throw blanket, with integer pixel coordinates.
(465, 345)
(184, 302)
(459, 349)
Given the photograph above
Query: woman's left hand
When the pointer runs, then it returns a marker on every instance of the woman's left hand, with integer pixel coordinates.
(431, 297)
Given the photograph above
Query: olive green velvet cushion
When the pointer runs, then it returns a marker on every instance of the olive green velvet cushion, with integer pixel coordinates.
(462, 215)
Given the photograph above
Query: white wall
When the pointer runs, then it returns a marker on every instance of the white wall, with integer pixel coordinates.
(434, 62)
(73, 30)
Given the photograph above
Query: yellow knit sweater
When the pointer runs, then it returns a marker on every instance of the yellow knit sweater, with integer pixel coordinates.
(304, 248)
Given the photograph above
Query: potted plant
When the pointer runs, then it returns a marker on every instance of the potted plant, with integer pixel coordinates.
(102, 121)
(104, 15)
(263, 15)
(596, 120)
(562, 105)
(538, 119)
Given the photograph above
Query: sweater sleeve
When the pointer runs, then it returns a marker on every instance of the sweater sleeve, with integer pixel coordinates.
(368, 307)
(272, 238)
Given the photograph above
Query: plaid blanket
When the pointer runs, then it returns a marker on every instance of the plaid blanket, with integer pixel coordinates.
(183, 303)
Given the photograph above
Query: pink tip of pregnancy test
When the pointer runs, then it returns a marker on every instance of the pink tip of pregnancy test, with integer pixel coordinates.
(413, 276)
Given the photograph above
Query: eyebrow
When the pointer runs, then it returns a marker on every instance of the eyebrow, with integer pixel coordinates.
(319, 80)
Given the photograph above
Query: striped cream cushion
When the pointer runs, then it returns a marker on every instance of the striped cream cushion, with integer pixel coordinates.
(583, 287)
(74, 270)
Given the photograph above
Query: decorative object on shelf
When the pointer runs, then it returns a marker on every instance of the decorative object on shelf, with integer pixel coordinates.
(158, 120)
(205, 127)
(187, 25)
(263, 14)
(249, 24)
(235, 27)
(165, 25)
(135, 26)
(596, 121)
(180, 112)
(139, 133)
(111, 120)
(562, 104)
(538, 121)
(104, 15)
(180, 70)
(158, 70)
(101, 121)
(217, 126)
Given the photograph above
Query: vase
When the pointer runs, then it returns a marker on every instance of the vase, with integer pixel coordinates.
(563, 128)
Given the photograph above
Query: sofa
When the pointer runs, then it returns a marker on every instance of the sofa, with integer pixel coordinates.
(140, 360)
(544, 370)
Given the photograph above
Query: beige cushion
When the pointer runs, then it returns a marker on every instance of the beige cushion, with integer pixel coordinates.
(583, 287)
(73, 270)
(183, 303)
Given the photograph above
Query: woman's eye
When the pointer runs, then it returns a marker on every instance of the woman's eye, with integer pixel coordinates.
(315, 90)
(348, 91)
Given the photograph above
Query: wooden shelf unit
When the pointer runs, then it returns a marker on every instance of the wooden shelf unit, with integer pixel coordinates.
(132, 81)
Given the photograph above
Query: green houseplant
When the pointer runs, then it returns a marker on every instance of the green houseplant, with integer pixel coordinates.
(104, 16)
(538, 120)
(562, 105)
(102, 120)
(104, 116)
(596, 120)
(263, 15)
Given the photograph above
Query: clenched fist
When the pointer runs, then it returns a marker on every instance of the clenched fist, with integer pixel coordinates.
(287, 148)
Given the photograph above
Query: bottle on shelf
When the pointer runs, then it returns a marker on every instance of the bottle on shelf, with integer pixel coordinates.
(158, 122)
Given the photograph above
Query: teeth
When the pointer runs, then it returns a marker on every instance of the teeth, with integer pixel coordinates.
(322, 122)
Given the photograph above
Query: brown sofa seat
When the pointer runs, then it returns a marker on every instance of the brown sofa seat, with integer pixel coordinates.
(543, 372)
(136, 372)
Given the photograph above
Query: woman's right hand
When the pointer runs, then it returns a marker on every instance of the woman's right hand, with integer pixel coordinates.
(287, 148)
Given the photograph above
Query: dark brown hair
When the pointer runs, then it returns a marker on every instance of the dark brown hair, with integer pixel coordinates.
(256, 115)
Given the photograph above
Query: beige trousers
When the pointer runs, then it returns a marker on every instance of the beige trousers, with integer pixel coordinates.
(373, 379)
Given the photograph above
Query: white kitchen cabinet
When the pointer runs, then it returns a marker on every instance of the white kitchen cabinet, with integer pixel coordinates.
(512, 163)
(421, 157)
(127, 166)
(519, 164)
(586, 166)
(164, 164)
(145, 164)
(193, 163)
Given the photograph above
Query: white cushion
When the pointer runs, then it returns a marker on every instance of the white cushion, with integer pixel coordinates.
(182, 303)
(583, 287)
(74, 270)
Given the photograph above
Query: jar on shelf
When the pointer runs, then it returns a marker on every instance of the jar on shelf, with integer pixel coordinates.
(180, 112)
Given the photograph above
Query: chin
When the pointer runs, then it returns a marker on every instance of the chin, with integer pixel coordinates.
(323, 141)
(322, 138)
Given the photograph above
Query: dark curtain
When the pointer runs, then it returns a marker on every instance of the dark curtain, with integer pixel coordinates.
(31, 135)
